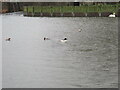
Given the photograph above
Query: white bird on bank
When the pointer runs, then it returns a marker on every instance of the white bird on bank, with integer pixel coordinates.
(64, 40)
(112, 15)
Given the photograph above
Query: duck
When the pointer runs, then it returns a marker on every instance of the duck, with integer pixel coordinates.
(79, 30)
(112, 15)
(8, 39)
(64, 40)
(46, 38)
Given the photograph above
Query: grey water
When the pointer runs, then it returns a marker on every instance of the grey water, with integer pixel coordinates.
(89, 59)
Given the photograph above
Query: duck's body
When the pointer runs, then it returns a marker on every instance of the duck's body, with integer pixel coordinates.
(112, 15)
(63, 41)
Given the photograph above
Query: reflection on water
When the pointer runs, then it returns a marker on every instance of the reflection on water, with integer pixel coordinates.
(87, 60)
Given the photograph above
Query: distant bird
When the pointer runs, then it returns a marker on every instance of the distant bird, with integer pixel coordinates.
(112, 15)
(106, 69)
(64, 40)
(8, 39)
(46, 38)
(79, 30)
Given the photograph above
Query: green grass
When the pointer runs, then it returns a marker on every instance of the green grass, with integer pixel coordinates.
(83, 8)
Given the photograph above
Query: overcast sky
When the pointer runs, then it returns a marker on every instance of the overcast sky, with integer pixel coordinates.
(60, 0)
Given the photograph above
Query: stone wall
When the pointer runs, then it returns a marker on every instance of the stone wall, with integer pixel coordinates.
(76, 14)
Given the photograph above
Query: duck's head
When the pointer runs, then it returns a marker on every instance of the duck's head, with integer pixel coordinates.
(44, 38)
(113, 13)
(65, 38)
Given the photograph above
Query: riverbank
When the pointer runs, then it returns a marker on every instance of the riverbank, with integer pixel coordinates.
(76, 14)
(71, 11)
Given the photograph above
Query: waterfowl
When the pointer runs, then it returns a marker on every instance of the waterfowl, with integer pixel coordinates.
(80, 30)
(8, 39)
(64, 40)
(46, 38)
(112, 15)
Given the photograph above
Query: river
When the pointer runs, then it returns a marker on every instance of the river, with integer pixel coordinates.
(89, 59)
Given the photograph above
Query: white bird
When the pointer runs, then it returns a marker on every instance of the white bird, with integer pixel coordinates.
(112, 15)
(64, 40)
(80, 30)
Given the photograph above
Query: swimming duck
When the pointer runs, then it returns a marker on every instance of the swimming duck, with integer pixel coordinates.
(79, 30)
(8, 39)
(64, 40)
(112, 15)
(46, 38)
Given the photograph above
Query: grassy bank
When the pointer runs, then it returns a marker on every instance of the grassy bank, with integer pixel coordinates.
(62, 9)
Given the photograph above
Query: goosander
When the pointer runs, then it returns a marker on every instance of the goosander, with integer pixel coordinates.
(8, 39)
(80, 30)
(64, 40)
(46, 38)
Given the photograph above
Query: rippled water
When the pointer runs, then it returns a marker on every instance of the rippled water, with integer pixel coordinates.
(89, 59)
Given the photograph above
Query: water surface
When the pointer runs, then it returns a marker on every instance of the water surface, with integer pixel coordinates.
(87, 60)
